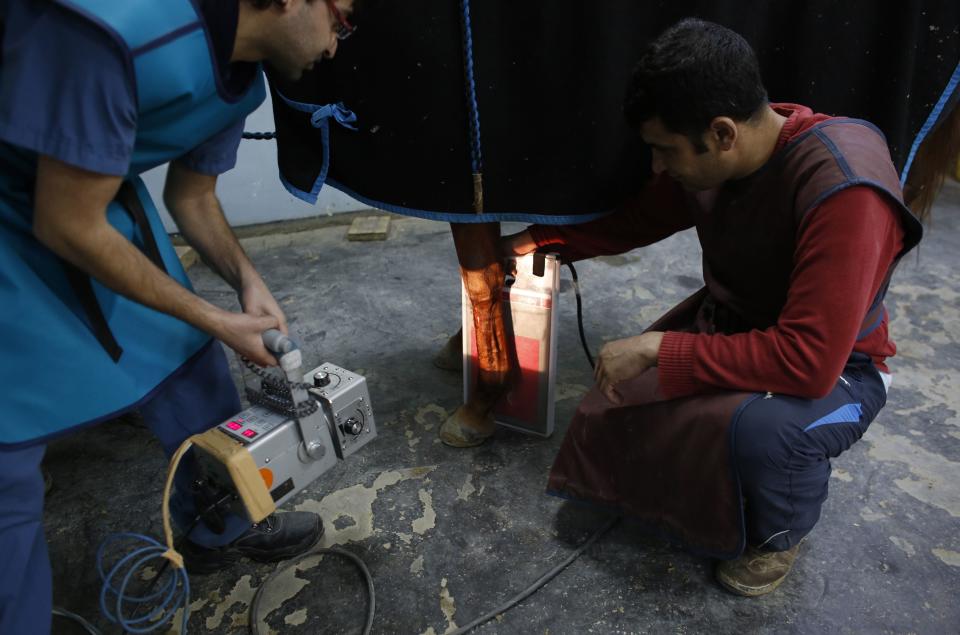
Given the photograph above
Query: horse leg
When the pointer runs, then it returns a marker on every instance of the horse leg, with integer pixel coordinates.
(482, 272)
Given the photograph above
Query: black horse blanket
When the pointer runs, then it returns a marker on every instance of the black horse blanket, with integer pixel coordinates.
(549, 79)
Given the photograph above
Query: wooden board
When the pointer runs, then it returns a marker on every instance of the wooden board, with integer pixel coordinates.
(187, 255)
(369, 228)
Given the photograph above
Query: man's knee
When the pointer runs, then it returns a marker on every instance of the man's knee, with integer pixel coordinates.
(763, 438)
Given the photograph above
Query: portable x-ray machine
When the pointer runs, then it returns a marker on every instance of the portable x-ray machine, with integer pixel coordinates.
(298, 427)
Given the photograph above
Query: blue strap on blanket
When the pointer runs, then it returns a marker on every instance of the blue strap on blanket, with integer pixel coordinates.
(320, 117)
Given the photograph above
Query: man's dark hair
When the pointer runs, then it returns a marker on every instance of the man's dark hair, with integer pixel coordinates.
(695, 71)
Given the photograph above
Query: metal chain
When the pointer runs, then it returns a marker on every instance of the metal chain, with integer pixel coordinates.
(260, 136)
(277, 393)
(273, 379)
(283, 406)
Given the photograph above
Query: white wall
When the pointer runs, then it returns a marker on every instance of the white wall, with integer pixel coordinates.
(252, 192)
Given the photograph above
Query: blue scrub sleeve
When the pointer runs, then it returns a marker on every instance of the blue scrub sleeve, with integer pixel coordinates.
(218, 154)
(67, 91)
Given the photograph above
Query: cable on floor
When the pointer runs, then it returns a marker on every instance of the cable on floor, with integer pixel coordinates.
(539, 583)
(364, 571)
(87, 626)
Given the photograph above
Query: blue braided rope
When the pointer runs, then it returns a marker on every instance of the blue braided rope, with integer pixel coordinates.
(475, 148)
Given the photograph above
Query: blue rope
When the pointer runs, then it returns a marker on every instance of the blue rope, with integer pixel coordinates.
(472, 103)
(175, 592)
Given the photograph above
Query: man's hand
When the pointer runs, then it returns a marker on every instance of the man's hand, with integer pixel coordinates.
(624, 359)
(518, 244)
(244, 334)
(257, 301)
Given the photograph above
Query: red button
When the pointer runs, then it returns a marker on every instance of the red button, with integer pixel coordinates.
(249, 433)
(233, 425)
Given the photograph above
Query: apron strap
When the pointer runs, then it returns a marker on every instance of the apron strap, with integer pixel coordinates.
(127, 197)
(80, 281)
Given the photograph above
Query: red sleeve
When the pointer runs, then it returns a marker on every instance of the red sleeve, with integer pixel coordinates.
(657, 212)
(844, 249)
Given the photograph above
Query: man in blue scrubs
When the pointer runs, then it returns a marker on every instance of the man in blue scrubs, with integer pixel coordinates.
(98, 314)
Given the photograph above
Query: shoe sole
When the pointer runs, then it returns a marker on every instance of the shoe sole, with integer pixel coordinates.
(229, 556)
(277, 556)
(747, 591)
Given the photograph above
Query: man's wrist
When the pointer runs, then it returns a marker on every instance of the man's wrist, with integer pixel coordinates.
(248, 278)
(651, 346)
(209, 318)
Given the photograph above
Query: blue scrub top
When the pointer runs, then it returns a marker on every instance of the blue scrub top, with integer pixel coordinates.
(66, 91)
(116, 88)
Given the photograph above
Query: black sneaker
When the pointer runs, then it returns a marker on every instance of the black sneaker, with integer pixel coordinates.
(276, 537)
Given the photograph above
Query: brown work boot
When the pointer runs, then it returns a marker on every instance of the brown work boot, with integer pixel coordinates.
(756, 572)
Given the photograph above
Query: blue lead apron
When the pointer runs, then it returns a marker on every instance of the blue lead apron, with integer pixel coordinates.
(74, 352)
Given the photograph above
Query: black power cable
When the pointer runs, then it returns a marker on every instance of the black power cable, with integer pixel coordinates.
(539, 583)
(364, 571)
(576, 290)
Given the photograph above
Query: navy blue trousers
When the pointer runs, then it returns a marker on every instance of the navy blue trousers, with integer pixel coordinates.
(782, 451)
(198, 397)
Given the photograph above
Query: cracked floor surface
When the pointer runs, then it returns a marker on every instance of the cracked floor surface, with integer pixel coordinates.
(450, 534)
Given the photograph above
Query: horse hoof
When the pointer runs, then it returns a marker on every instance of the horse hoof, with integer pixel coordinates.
(465, 430)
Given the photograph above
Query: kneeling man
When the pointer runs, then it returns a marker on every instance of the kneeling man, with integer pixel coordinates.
(717, 424)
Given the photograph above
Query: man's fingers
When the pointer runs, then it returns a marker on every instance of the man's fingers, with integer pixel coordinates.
(611, 394)
(615, 396)
(266, 322)
(606, 384)
(280, 320)
(262, 323)
(265, 359)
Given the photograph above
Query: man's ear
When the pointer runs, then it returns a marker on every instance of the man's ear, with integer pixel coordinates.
(724, 132)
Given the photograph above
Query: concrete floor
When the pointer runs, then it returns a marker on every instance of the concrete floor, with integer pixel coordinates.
(450, 534)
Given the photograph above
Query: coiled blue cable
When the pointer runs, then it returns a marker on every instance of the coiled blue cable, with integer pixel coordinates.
(114, 597)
